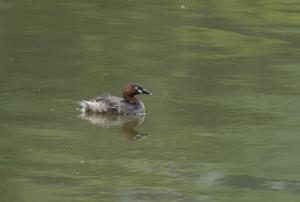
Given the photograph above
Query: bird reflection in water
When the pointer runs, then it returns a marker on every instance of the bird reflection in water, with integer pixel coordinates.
(127, 123)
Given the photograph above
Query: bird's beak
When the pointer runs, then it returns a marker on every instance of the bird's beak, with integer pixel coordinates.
(144, 91)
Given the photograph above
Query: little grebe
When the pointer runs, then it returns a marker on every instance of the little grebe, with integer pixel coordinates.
(128, 105)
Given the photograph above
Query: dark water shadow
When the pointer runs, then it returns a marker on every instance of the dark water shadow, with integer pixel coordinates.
(127, 123)
(260, 183)
(250, 182)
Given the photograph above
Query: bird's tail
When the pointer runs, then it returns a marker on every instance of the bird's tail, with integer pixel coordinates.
(84, 106)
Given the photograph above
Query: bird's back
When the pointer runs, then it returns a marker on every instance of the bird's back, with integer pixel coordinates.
(112, 104)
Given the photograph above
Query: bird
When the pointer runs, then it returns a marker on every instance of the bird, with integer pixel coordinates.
(106, 103)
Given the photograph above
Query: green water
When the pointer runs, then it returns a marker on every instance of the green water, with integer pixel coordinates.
(222, 124)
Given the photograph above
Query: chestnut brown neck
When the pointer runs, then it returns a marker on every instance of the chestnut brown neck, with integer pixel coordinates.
(129, 93)
(130, 98)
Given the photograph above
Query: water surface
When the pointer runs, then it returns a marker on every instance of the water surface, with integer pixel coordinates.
(222, 123)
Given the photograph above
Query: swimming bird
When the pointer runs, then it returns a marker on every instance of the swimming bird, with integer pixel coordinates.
(128, 105)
